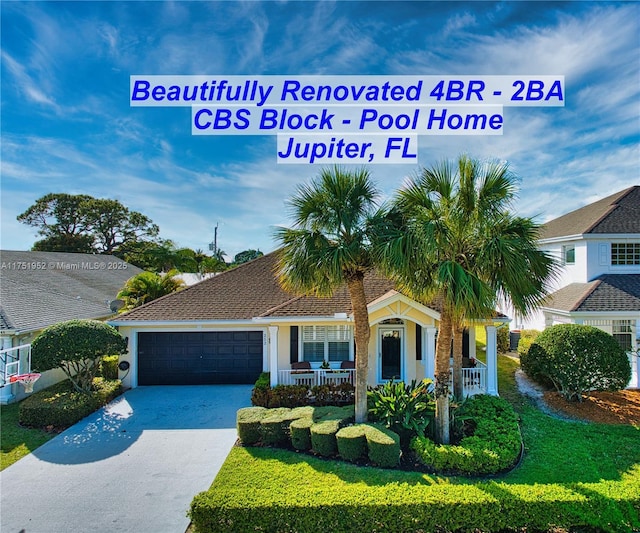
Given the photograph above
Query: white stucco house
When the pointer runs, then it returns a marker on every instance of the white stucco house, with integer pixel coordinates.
(232, 327)
(598, 250)
(39, 289)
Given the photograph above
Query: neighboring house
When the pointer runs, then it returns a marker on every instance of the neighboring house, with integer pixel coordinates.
(39, 289)
(598, 248)
(232, 327)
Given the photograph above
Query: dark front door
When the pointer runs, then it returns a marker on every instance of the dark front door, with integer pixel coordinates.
(391, 353)
(197, 358)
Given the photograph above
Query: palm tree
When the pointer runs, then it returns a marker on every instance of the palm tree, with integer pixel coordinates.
(455, 240)
(329, 246)
(148, 286)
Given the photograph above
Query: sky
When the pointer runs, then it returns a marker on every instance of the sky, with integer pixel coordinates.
(67, 124)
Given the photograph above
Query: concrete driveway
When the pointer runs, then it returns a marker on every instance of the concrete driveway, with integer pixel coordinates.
(133, 466)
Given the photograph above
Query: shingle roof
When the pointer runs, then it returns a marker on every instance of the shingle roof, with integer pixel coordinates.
(609, 292)
(42, 288)
(618, 213)
(248, 291)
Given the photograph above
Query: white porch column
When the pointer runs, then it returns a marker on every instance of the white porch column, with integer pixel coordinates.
(472, 342)
(492, 360)
(429, 351)
(273, 355)
(6, 392)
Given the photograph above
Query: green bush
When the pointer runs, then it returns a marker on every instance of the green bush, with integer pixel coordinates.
(527, 338)
(323, 437)
(352, 443)
(383, 446)
(503, 340)
(288, 396)
(61, 406)
(333, 394)
(405, 409)
(76, 346)
(274, 426)
(261, 390)
(577, 359)
(492, 442)
(300, 431)
(109, 367)
(248, 424)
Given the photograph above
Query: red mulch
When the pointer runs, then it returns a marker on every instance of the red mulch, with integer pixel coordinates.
(621, 407)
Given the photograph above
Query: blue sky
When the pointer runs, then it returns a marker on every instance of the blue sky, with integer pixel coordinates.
(67, 125)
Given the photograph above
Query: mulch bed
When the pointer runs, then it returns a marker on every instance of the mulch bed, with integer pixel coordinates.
(621, 407)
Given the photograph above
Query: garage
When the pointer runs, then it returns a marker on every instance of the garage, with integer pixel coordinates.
(199, 358)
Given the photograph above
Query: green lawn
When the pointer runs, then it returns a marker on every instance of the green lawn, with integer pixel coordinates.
(571, 474)
(17, 441)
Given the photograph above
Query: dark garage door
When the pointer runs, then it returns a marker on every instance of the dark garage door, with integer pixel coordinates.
(198, 358)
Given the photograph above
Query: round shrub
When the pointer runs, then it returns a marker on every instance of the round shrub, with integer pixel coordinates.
(577, 359)
(76, 346)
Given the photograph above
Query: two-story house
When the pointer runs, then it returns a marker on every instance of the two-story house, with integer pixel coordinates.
(598, 248)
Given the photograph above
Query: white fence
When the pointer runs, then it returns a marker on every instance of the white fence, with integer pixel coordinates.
(315, 377)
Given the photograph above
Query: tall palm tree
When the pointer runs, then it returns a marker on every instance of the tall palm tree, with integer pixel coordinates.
(455, 240)
(329, 246)
(148, 286)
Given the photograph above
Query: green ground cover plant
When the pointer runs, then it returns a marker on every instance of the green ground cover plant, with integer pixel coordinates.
(581, 477)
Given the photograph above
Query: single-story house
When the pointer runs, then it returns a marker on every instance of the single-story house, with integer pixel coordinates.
(39, 289)
(232, 327)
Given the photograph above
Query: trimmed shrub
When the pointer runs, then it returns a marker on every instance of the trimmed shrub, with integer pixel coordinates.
(323, 437)
(352, 443)
(273, 428)
(577, 359)
(76, 346)
(300, 431)
(383, 445)
(333, 394)
(109, 367)
(61, 406)
(333, 412)
(288, 396)
(261, 390)
(248, 424)
(492, 443)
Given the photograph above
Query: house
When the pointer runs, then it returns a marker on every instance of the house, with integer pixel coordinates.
(231, 327)
(39, 289)
(598, 249)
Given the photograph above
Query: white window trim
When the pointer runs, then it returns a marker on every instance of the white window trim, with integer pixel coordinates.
(326, 341)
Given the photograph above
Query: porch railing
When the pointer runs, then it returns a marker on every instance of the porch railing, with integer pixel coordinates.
(474, 380)
(315, 377)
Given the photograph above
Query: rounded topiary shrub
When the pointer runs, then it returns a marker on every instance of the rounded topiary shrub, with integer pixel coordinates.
(577, 359)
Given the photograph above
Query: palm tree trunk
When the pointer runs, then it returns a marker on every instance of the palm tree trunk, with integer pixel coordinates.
(362, 333)
(443, 374)
(458, 335)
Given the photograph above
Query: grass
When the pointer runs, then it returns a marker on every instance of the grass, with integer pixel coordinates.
(591, 468)
(17, 441)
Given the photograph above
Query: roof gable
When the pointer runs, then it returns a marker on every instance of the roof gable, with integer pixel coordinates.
(618, 213)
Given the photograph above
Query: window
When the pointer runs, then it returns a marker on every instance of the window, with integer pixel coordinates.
(569, 254)
(625, 253)
(622, 332)
(326, 343)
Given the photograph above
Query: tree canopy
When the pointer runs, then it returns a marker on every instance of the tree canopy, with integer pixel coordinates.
(81, 223)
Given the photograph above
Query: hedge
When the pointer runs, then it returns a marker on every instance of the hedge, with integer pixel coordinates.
(248, 424)
(299, 395)
(352, 443)
(61, 406)
(383, 446)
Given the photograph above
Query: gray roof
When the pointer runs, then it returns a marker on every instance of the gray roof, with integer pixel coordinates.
(618, 213)
(39, 289)
(609, 292)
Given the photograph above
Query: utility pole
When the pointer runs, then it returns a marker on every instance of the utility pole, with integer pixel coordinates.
(213, 246)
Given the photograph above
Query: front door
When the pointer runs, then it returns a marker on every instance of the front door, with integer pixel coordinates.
(391, 353)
